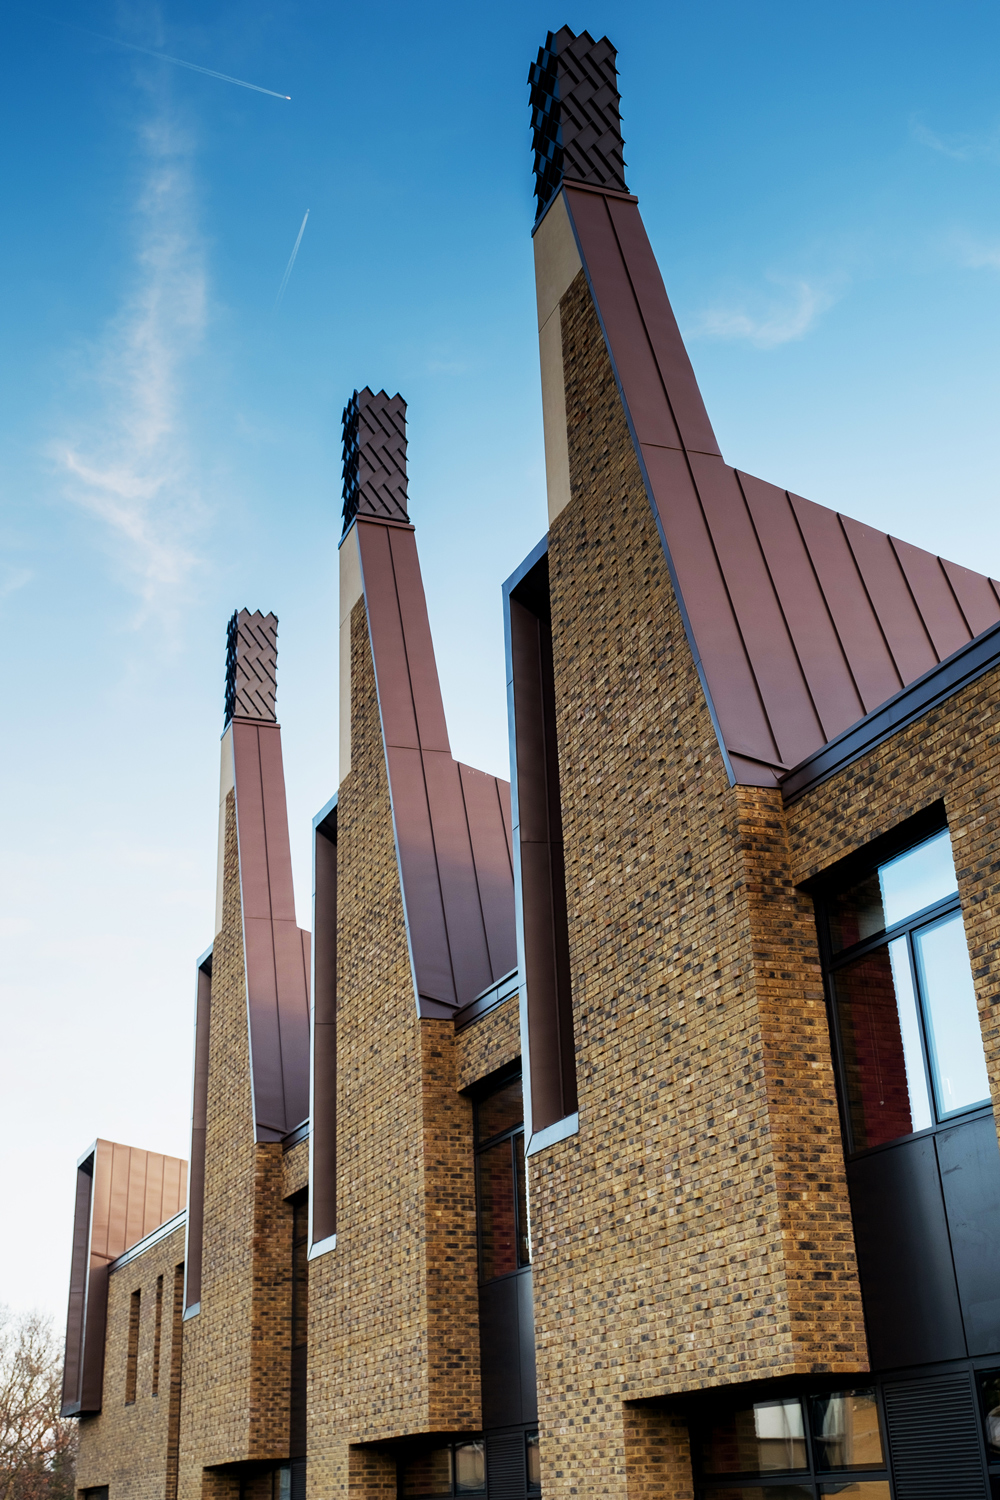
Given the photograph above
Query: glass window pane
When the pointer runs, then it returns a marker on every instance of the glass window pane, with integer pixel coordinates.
(880, 1040)
(954, 1038)
(497, 1224)
(428, 1473)
(470, 1469)
(846, 1431)
(534, 1461)
(859, 1489)
(523, 1247)
(918, 878)
(767, 1438)
(893, 892)
(989, 1392)
(501, 1111)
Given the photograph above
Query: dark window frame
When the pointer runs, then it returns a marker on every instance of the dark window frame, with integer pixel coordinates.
(451, 1443)
(823, 890)
(484, 1091)
(813, 1476)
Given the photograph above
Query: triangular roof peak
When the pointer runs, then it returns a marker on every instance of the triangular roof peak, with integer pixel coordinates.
(802, 620)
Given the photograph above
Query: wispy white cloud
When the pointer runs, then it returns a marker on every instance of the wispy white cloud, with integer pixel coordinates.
(129, 464)
(960, 146)
(786, 318)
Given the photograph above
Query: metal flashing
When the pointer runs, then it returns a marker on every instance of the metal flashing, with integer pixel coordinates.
(322, 1247)
(150, 1240)
(963, 667)
(490, 999)
(300, 1133)
(561, 1130)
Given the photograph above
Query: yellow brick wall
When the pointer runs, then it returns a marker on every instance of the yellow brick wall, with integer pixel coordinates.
(237, 1349)
(393, 1309)
(488, 1044)
(295, 1168)
(132, 1448)
(696, 1230)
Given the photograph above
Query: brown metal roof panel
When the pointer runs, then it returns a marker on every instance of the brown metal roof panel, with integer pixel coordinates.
(117, 1239)
(860, 634)
(255, 886)
(484, 802)
(101, 1201)
(687, 405)
(719, 644)
(817, 644)
(976, 596)
(794, 724)
(889, 592)
(293, 1021)
(279, 854)
(385, 629)
(470, 958)
(265, 1028)
(424, 684)
(943, 620)
(631, 351)
(419, 876)
(152, 1203)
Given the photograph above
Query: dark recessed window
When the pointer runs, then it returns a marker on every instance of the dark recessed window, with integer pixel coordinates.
(989, 1398)
(501, 1190)
(792, 1448)
(440, 1473)
(909, 1041)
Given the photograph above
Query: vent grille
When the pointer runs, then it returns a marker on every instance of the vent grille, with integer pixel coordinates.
(934, 1439)
(505, 1467)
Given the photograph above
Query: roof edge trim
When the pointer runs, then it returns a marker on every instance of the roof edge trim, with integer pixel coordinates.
(960, 669)
(151, 1239)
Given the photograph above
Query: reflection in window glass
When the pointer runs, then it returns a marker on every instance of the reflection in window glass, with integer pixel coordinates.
(918, 878)
(989, 1393)
(880, 1040)
(954, 1038)
(533, 1459)
(846, 1431)
(497, 1218)
(470, 1469)
(768, 1438)
(428, 1473)
(762, 1492)
(501, 1111)
(896, 890)
(861, 1489)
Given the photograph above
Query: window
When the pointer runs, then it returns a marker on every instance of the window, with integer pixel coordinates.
(501, 1187)
(132, 1354)
(792, 1448)
(533, 1463)
(908, 1035)
(157, 1332)
(450, 1470)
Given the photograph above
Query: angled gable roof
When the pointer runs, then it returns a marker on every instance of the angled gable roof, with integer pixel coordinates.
(801, 619)
(452, 823)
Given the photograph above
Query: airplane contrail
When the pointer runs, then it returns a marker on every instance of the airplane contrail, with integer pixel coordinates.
(165, 57)
(291, 262)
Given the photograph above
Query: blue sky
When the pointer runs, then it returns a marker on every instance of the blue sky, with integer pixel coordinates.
(820, 185)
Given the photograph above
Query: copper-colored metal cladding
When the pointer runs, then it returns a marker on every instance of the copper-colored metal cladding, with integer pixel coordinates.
(277, 950)
(452, 822)
(122, 1195)
(576, 114)
(801, 620)
(375, 457)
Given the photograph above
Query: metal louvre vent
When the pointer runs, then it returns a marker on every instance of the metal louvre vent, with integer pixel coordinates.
(375, 457)
(505, 1467)
(576, 114)
(251, 666)
(934, 1439)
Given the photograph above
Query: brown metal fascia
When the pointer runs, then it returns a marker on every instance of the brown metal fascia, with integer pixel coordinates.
(276, 980)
